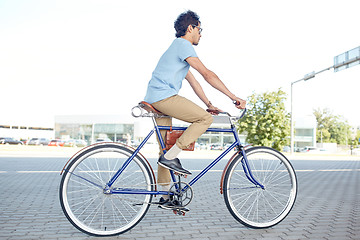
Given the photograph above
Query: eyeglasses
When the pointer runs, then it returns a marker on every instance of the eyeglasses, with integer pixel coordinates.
(200, 29)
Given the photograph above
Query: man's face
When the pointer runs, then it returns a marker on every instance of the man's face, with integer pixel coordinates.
(196, 34)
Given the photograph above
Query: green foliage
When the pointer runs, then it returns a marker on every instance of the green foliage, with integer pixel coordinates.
(266, 123)
(331, 128)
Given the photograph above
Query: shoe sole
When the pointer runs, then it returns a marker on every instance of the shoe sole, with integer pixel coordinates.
(174, 208)
(159, 163)
(166, 208)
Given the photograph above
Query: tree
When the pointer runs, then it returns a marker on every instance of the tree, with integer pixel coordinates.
(357, 138)
(331, 128)
(266, 123)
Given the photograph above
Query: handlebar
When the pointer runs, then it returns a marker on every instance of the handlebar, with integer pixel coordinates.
(237, 103)
(216, 112)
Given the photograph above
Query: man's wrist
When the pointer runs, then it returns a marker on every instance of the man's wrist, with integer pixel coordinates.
(233, 97)
(209, 104)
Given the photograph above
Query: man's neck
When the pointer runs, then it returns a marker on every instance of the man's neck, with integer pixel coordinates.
(186, 37)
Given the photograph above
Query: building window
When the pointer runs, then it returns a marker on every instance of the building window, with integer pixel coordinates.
(304, 132)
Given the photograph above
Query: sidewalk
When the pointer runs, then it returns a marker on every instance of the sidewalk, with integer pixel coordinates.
(327, 205)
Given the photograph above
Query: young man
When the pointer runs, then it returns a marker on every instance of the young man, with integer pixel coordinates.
(173, 67)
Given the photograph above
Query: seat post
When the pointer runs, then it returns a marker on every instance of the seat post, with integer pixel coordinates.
(158, 134)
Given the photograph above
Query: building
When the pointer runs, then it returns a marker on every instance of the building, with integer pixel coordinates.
(92, 128)
(305, 132)
(25, 132)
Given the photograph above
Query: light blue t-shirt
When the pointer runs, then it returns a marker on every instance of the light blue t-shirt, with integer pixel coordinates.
(170, 71)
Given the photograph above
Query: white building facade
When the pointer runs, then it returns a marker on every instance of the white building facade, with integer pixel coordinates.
(305, 132)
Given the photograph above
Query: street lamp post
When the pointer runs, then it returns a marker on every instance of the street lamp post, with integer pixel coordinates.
(305, 78)
(342, 61)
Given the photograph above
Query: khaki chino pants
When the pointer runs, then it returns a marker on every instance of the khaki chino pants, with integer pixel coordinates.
(187, 111)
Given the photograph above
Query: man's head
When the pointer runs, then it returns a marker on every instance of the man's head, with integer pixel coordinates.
(188, 24)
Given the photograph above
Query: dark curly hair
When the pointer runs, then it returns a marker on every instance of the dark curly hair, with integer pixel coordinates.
(183, 21)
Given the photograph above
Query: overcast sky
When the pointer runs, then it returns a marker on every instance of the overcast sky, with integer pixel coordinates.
(96, 56)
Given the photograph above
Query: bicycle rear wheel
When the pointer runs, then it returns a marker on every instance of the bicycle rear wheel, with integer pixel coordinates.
(82, 195)
(251, 205)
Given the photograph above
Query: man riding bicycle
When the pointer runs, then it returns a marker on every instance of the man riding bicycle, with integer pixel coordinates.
(162, 93)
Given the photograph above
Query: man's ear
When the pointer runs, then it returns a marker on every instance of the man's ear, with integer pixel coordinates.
(190, 28)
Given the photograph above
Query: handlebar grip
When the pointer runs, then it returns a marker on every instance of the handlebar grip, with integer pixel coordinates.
(213, 111)
(236, 102)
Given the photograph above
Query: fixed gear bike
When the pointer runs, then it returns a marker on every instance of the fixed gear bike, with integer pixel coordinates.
(107, 188)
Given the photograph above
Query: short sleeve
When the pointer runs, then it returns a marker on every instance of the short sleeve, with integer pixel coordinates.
(186, 50)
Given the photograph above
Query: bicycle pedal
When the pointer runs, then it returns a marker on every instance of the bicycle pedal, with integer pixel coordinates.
(180, 211)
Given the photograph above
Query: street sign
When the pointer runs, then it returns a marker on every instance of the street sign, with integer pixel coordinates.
(347, 59)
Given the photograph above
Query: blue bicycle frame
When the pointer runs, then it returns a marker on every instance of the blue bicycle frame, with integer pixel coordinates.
(157, 129)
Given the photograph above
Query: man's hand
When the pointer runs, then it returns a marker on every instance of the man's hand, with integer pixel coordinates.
(214, 110)
(240, 103)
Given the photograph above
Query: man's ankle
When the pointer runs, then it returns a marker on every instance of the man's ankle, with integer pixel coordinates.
(173, 152)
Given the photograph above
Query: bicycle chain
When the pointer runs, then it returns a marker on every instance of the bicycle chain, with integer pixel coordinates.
(153, 184)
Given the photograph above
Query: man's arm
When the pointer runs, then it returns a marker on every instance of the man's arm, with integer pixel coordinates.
(213, 80)
(195, 85)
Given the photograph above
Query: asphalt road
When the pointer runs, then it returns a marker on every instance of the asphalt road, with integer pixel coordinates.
(327, 206)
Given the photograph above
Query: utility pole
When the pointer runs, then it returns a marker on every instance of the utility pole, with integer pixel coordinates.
(342, 61)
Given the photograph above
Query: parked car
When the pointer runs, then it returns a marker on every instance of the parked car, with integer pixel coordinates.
(38, 141)
(286, 149)
(56, 142)
(312, 150)
(103, 140)
(75, 143)
(216, 147)
(355, 151)
(12, 141)
(200, 146)
(226, 146)
(134, 143)
(297, 149)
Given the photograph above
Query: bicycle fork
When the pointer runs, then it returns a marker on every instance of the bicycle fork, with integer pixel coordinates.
(247, 169)
(244, 161)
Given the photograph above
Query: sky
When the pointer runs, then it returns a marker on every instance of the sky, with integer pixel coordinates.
(70, 57)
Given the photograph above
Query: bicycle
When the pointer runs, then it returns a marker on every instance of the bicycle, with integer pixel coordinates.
(107, 188)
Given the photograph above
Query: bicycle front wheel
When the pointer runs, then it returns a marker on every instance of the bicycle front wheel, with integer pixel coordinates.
(252, 205)
(91, 209)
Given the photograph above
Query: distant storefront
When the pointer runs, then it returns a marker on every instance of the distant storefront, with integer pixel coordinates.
(305, 132)
(93, 128)
(25, 132)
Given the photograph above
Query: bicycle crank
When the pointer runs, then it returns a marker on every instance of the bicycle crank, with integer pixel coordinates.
(181, 194)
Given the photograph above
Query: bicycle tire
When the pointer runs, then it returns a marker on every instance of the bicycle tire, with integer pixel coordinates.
(82, 196)
(253, 206)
